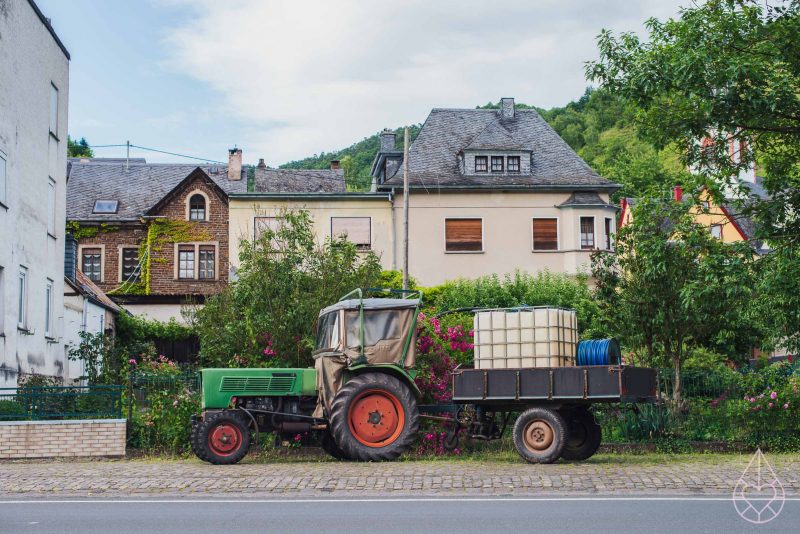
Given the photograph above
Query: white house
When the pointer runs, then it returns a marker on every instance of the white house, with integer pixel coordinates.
(34, 87)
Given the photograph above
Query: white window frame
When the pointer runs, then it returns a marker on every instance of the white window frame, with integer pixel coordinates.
(116, 206)
(51, 207)
(369, 245)
(22, 298)
(102, 260)
(196, 247)
(188, 206)
(54, 103)
(444, 236)
(721, 231)
(3, 179)
(558, 235)
(48, 310)
(594, 232)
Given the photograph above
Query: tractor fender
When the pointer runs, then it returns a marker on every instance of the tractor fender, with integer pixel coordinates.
(389, 369)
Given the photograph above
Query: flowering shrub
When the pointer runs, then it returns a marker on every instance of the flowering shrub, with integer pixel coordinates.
(267, 357)
(442, 344)
(151, 364)
(432, 444)
(775, 409)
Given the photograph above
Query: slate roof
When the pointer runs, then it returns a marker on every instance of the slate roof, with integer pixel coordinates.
(434, 155)
(137, 189)
(584, 198)
(299, 181)
(90, 290)
(737, 211)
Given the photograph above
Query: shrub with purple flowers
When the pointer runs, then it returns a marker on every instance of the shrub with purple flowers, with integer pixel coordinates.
(442, 344)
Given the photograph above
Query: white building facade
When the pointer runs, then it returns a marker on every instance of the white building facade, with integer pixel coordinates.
(34, 91)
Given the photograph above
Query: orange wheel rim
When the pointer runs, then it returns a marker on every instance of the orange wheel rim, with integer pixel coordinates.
(538, 436)
(225, 439)
(376, 418)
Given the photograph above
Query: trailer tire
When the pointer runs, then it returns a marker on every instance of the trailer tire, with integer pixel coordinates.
(221, 438)
(584, 435)
(329, 445)
(374, 417)
(540, 435)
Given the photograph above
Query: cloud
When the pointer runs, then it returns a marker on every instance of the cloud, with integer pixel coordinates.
(305, 76)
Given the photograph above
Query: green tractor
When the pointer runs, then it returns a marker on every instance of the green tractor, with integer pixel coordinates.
(360, 397)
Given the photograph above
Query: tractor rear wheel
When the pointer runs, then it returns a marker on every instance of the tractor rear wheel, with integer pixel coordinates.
(585, 434)
(374, 417)
(540, 435)
(329, 445)
(221, 438)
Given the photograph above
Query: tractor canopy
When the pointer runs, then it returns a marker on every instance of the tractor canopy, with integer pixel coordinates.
(363, 331)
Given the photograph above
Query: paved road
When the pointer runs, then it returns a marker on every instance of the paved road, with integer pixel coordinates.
(602, 475)
(463, 516)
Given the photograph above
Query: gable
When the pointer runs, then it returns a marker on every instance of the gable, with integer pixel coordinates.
(196, 178)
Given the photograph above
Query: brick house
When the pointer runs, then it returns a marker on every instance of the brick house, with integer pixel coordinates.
(154, 237)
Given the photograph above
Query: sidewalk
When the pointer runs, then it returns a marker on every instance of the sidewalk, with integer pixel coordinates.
(614, 475)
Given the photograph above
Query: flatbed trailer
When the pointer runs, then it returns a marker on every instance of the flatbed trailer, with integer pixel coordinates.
(553, 404)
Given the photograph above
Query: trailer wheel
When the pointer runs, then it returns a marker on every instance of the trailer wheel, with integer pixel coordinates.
(329, 445)
(540, 435)
(221, 438)
(585, 434)
(374, 417)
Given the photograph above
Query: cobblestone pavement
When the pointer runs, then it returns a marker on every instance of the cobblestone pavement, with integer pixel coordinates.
(614, 475)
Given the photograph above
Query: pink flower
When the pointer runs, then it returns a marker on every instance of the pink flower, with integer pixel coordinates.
(298, 437)
(773, 395)
(752, 399)
(175, 403)
(786, 406)
(771, 405)
(132, 361)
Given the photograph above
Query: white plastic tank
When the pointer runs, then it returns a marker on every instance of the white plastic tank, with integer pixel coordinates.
(513, 338)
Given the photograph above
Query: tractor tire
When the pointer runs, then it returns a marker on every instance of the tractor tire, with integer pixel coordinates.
(329, 445)
(584, 436)
(374, 417)
(540, 435)
(221, 438)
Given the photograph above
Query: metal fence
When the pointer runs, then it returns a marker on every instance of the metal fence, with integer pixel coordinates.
(701, 383)
(55, 402)
(142, 385)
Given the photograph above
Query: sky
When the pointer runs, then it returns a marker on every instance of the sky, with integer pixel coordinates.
(285, 79)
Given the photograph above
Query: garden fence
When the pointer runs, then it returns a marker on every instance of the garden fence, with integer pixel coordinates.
(142, 385)
(56, 402)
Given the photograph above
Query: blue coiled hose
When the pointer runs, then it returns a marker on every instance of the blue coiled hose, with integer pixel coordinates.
(598, 352)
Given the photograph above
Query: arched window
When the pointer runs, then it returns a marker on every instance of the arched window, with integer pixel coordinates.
(197, 208)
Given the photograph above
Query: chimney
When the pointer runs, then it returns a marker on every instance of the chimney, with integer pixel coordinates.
(70, 257)
(261, 164)
(677, 193)
(507, 108)
(387, 140)
(235, 164)
(335, 165)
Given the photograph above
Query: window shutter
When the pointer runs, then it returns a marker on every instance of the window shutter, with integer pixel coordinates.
(545, 234)
(463, 235)
(357, 230)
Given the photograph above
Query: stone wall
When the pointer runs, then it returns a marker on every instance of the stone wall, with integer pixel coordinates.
(49, 439)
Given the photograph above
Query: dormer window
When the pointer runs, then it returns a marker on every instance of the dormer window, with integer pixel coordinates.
(497, 163)
(513, 163)
(105, 206)
(481, 163)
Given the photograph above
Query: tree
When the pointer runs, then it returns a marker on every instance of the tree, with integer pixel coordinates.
(79, 149)
(727, 70)
(267, 316)
(672, 287)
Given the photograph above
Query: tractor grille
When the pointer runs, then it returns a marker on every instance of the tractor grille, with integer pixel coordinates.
(277, 383)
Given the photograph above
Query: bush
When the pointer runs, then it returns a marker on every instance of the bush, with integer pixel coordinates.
(11, 409)
(284, 279)
(442, 344)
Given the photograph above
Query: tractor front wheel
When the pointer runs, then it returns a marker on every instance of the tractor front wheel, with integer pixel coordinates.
(374, 417)
(221, 438)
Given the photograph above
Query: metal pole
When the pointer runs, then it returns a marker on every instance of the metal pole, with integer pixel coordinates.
(405, 208)
(127, 154)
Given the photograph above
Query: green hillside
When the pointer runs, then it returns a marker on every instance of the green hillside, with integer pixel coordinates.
(598, 126)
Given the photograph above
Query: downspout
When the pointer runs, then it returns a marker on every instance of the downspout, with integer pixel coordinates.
(394, 232)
